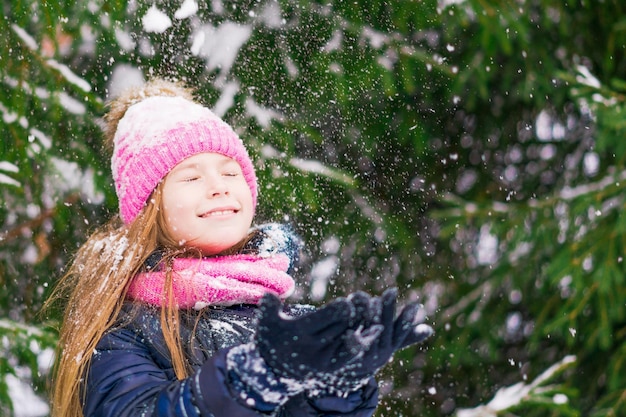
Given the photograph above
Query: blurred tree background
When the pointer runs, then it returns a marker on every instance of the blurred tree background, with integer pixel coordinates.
(470, 152)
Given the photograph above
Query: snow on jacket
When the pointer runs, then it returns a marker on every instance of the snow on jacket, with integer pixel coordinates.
(131, 372)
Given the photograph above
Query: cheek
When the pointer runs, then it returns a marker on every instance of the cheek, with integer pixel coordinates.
(246, 195)
(176, 202)
(168, 200)
(174, 213)
(169, 212)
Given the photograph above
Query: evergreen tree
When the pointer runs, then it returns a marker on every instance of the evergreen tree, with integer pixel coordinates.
(469, 152)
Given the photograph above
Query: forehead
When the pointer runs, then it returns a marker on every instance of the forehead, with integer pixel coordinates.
(204, 159)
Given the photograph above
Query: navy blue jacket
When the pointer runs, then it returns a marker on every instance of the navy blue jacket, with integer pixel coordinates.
(131, 372)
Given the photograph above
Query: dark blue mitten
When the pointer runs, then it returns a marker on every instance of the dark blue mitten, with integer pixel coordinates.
(300, 347)
(379, 336)
(333, 350)
(371, 344)
(289, 354)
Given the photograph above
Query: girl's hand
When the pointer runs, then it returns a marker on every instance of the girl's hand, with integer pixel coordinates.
(299, 347)
(289, 355)
(340, 346)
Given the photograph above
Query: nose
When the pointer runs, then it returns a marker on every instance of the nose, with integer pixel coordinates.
(216, 186)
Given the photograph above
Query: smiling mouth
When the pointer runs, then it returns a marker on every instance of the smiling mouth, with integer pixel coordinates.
(217, 213)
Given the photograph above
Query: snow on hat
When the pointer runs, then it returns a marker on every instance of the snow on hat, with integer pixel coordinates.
(156, 134)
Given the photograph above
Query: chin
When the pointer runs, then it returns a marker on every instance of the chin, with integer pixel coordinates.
(220, 242)
(216, 250)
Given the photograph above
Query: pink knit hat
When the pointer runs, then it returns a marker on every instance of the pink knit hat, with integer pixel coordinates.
(156, 134)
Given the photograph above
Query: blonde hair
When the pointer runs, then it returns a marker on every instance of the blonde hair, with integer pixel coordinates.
(102, 270)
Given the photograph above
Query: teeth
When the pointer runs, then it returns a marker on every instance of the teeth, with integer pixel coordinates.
(218, 213)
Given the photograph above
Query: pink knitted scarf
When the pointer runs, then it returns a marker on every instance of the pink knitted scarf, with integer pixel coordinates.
(221, 281)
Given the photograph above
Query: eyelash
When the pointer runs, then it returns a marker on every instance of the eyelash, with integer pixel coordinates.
(226, 174)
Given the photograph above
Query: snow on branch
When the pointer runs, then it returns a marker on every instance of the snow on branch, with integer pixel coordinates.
(516, 394)
(28, 40)
(565, 194)
(339, 176)
(10, 325)
(69, 75)
(316, 167)
(570, 193)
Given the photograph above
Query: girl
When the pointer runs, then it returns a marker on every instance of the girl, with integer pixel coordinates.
(175, 307)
